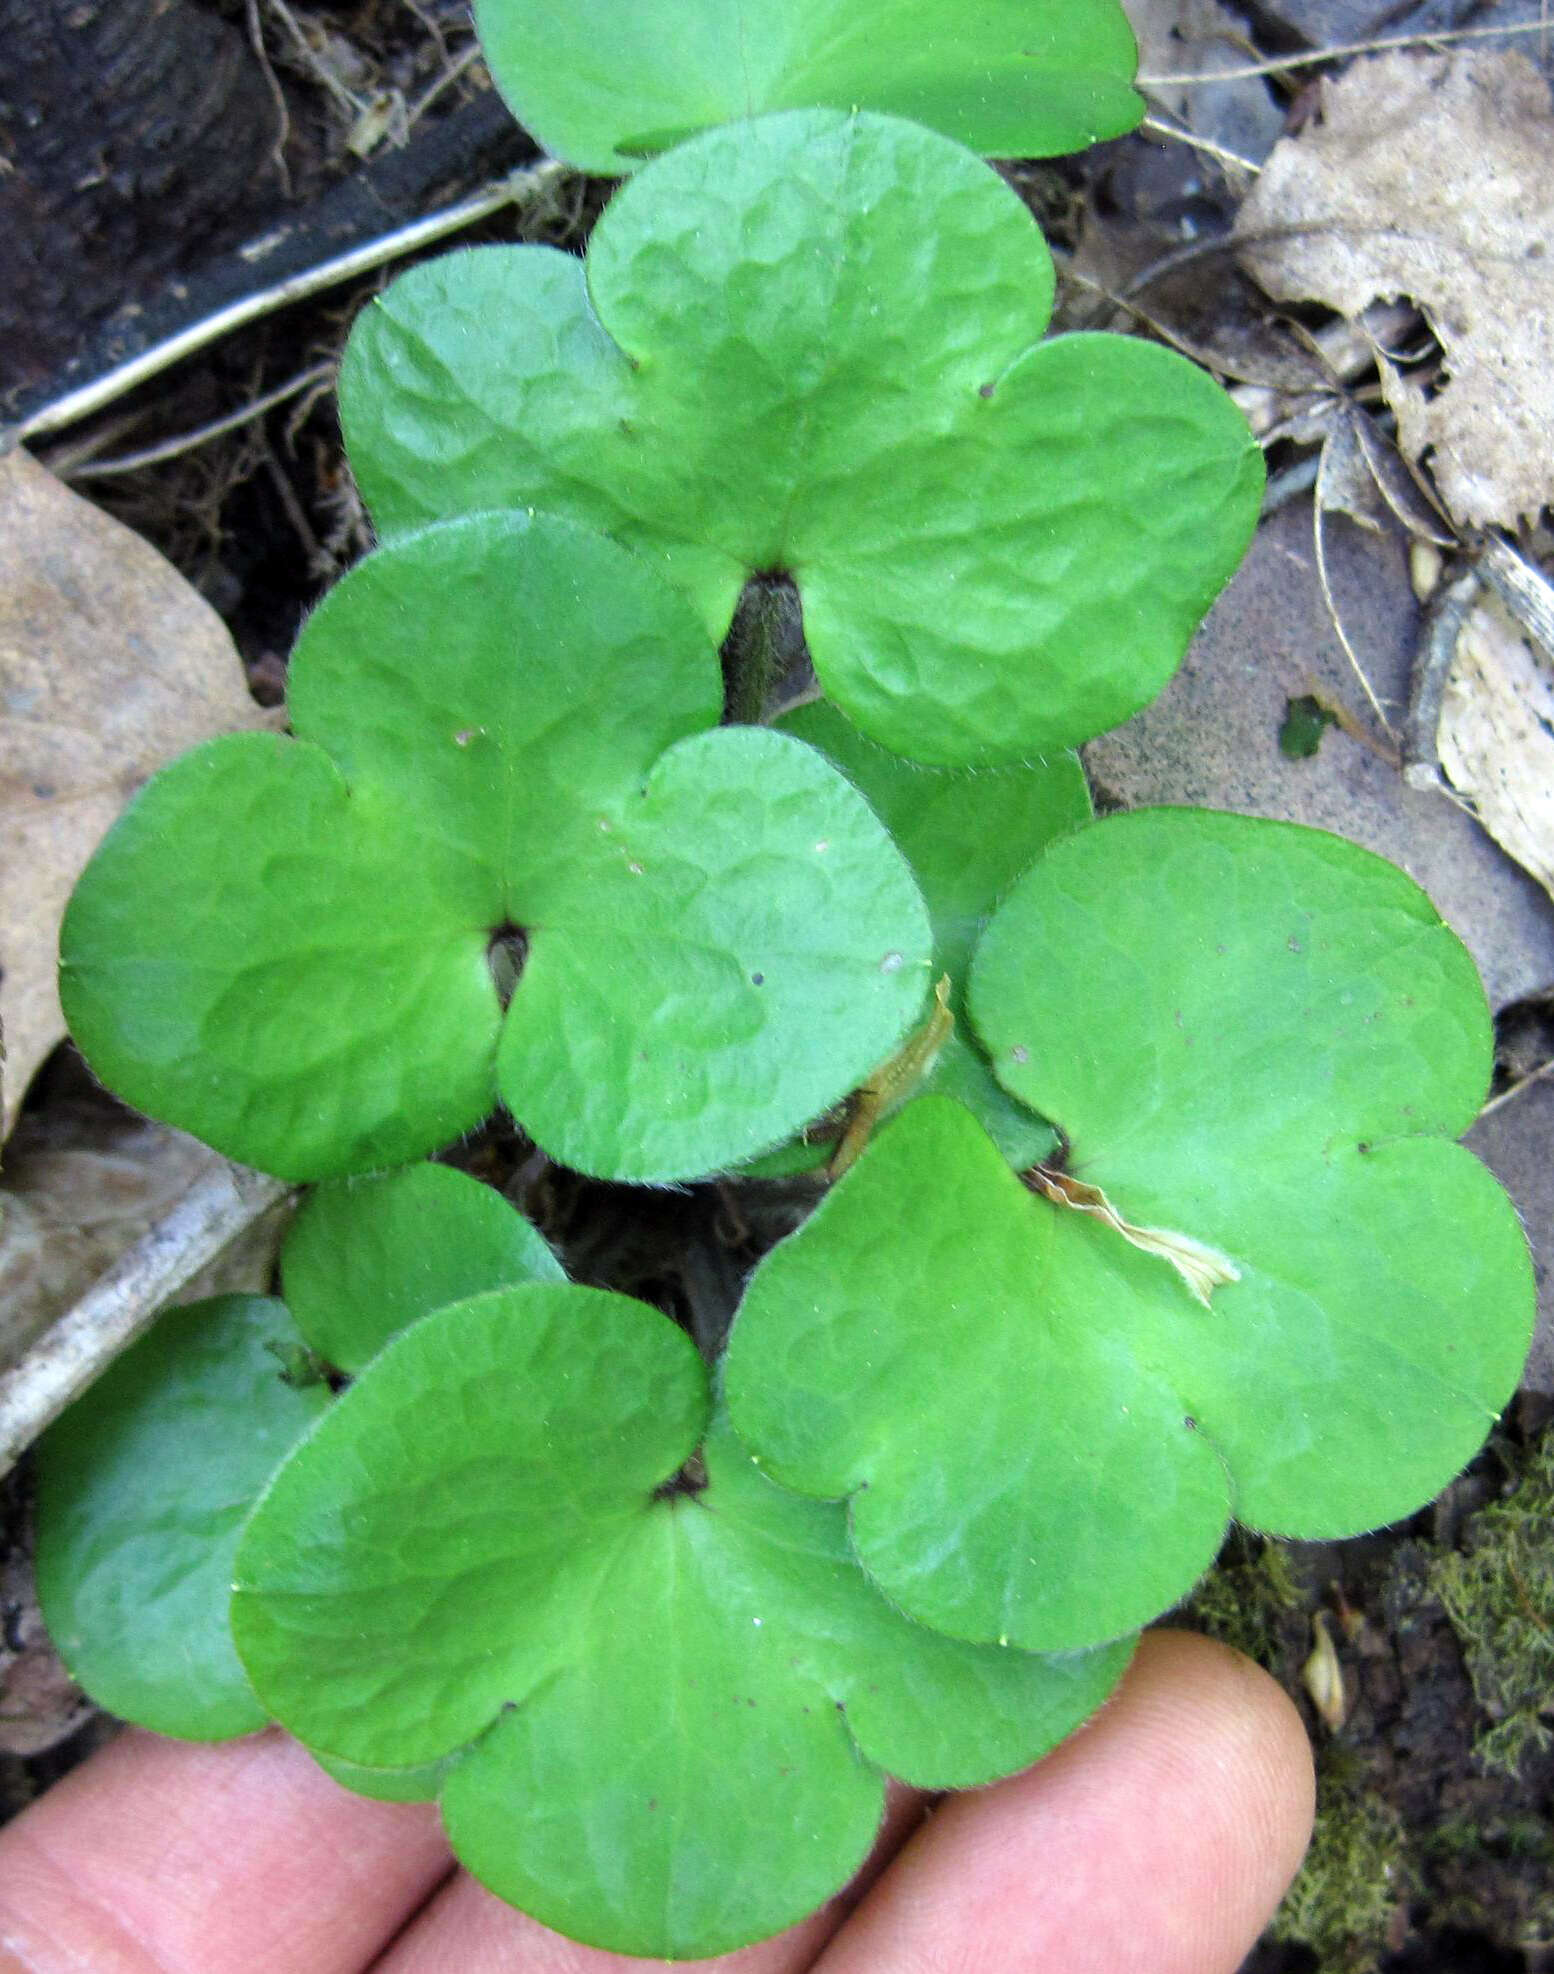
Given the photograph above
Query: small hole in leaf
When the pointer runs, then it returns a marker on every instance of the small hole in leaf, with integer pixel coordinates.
(1305, 721)
(691, 1479)
(506, 952)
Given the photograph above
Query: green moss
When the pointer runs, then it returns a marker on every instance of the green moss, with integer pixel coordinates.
(1244, 1598)
(1341, 1905)
(1494, 1875)
(1499, 1595)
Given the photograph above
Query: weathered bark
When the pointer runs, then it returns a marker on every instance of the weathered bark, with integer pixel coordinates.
(131, 131)
(444, 160)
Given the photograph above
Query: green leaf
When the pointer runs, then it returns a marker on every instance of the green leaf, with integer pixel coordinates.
(366, 1257)
(502, 723)
(968, 834)
(602, 82)
(1253, 1038)
(808, 345)
(143, 1486)
(389, 1785)
(674, 1689)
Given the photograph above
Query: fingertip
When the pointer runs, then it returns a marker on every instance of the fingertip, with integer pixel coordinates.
(1204, 1710)
(190, 1858)
(1157, 1840)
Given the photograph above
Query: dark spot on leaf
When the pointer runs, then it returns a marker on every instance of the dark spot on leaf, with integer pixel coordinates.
(652, 1802)
(985, 390)
(1190, 1423)
(1363, 1148)
(758, 980)
(506, 951)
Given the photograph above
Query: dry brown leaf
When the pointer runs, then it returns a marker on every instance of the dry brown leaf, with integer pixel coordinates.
(109, 665)
(1212, 737)
(1496, 736)
(1432, 176)
(85, 1180)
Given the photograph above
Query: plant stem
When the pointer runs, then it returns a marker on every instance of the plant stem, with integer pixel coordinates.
(763, 643)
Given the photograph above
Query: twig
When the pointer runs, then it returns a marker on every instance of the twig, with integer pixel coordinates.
(1319, 508)
(465, 58)
(278, 95)
(1221, 153)
(320, 562)
(123, 1302)
(1313, 57)
(429, 22)
(131, 462)
(517, 188)
(311, 60)
(1538, 1075)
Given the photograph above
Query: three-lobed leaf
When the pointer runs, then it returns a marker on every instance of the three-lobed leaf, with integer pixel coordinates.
(144, 1484)
(506, 727)
(1253, 1038)
(810, 345)
(605, 82)
(670, 1694)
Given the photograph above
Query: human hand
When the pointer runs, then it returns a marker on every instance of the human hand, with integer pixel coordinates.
(1157, 1840)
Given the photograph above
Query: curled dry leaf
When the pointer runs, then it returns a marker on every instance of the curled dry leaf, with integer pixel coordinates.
(1430, 176)
(1496, 736)
(109, 665)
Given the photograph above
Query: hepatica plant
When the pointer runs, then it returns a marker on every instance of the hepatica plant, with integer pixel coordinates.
(1138, 1209)
(507, 757)
(808, 348)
